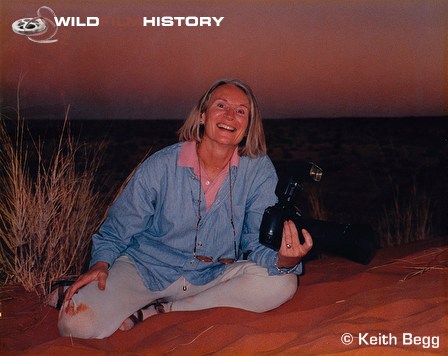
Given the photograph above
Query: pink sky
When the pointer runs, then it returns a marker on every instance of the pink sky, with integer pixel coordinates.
(303, 59)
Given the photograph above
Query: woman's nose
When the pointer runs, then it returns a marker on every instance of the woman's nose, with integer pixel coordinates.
(231, 113)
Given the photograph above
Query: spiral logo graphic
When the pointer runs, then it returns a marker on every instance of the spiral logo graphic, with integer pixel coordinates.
(347, 338)
(36, 28)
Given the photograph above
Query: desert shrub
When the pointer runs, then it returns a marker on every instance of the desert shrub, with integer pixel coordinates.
(407, 218)
(317, 208)
(49, 206)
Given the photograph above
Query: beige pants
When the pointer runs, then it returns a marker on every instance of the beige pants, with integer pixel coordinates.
(93, 313)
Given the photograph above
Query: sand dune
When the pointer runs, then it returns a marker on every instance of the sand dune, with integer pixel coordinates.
(383, 306)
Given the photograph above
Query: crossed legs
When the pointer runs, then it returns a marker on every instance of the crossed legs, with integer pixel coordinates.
(93, 313)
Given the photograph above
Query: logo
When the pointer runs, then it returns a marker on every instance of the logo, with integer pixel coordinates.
(41, 29)
(37, 29)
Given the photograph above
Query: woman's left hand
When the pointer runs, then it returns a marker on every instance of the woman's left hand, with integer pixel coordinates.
(291, 250)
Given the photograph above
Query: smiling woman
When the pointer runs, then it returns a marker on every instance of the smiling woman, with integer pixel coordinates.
(224, 123)
(252, 143)
(161, 249)
(225, 120)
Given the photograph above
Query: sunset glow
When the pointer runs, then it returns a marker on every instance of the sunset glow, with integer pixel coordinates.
(303, 59)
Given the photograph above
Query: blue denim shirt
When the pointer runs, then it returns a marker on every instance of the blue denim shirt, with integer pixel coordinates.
(153, 221)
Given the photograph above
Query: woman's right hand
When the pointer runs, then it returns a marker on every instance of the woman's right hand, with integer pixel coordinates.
(98, 272)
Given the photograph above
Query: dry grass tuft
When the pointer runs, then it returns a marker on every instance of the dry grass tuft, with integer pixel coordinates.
(408, 219)
(48, 207)
(431, 260)
(317, 208)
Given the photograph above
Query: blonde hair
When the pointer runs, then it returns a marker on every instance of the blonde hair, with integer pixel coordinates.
(253, 145)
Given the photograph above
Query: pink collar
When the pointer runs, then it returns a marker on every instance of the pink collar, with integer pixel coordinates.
(189, 158)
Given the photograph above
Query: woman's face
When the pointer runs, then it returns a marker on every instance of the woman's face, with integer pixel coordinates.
(227, 115)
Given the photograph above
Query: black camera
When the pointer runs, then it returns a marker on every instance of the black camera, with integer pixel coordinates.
(355, 242)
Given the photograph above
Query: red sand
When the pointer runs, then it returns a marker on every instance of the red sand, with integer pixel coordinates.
(399, 312)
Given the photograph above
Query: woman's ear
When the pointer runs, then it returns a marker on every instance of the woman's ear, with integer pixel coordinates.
(201, 127)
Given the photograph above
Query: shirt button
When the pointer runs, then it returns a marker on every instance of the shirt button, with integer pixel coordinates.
(207, 182)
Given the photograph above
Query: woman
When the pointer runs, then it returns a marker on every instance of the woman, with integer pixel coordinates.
(176, 236)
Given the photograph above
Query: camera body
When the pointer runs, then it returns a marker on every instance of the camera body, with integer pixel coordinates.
(352, 241)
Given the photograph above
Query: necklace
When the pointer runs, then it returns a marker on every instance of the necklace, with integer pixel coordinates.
(205, 258)
(213, 172)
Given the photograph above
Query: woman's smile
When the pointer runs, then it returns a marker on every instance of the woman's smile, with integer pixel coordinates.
(227, 116)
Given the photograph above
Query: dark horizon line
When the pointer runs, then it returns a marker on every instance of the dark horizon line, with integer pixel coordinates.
(58, 118)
